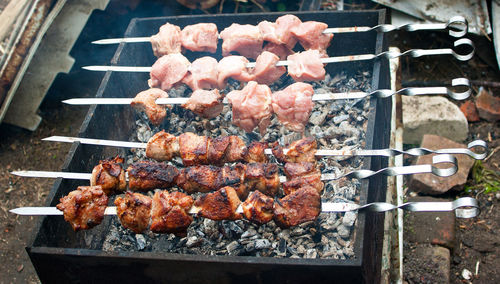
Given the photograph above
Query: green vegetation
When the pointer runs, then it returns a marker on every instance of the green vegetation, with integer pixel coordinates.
(484, 180)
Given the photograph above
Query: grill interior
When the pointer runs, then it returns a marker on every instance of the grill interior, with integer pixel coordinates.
(59, 253)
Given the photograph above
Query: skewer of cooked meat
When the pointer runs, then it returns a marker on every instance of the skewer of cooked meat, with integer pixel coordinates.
(170, 212)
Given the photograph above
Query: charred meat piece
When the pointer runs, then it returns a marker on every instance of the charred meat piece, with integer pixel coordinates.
(300, 206)
(162, 147)
(200, 37)
(167, 40)
(193, 149)
(243, 39)
(235, 178)
(293, 105)
(281, 50)
(219, 205)
(300, 175)
(236, 150)
(109, 174)
(202, 74)
(258, 207)
(303, 150)
(310, 35)
(217, 148)
(207, 104)
(202, 178)
(306, 66)
(266, 71)
(146, 175)
(262, 177)
(145, 101)
(84, 207)
(168, 71)
(255, 153)
(134, 211)
(170, 213)
(251, 107)
(233, 67)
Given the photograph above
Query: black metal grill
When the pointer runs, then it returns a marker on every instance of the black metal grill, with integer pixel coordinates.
(60, 255)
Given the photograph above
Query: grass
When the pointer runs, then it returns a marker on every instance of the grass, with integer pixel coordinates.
(484, 180)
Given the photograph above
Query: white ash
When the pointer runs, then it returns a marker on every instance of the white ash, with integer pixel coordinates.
(336, 124)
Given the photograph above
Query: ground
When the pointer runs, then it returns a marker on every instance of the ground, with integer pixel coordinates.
(478, 238)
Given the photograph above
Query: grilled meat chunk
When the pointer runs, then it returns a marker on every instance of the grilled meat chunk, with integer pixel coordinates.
(202, 178)
(262, 177)
(266, 71)
(255, 153)
(200, 37)
(170, 213)
(217, 148)
(207, 104)
(258, 207)
(243, 39)
(109, 174)
(145, 101)
(300, 175)
(146, 175)
(193, 149)
(306, 66)
(84, 207)
(134, 211)
(293, 105)
(251, 107)
(168, 71)
(233, 67)
(219, 205)
(235, 178)
(303, 150)
(202, 74)
(236, 149)
(300, 206)
(310, 35)
(162, 146)
(167, 40)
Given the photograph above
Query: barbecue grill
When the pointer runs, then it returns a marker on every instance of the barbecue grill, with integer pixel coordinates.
(59, 254)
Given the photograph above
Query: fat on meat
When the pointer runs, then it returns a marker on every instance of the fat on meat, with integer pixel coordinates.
(293, 105)
(233, 67)
(167, 40)
(207, 104)
(243, 39)
(281, 50)
(146, 101)
(168, 71)
(310, 35)
(306, 66)
(266, 71)
(251, 107)
(202, 74)
(200, 37)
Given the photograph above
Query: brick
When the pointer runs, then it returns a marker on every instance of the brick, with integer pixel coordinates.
(488, 106)
(436, 228)
(470, 111)
(434, 185)
(432, 115)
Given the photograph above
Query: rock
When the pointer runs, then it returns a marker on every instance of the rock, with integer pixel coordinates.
(487, 105)
(318, 117)
(470, 111)
(432, 115)
(437, 228)
(433, 265)
(432, 184)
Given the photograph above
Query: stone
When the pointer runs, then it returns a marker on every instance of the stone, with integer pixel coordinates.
(470, 111)
(432, 184)
(437, 228)
(487, 105)
(427, 264)
(432, 115)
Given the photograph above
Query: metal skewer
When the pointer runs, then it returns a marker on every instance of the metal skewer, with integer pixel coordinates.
(457, 27)
(321, 152)
(360, 174)
(386, 54)
(465, 207)
(381, 93)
